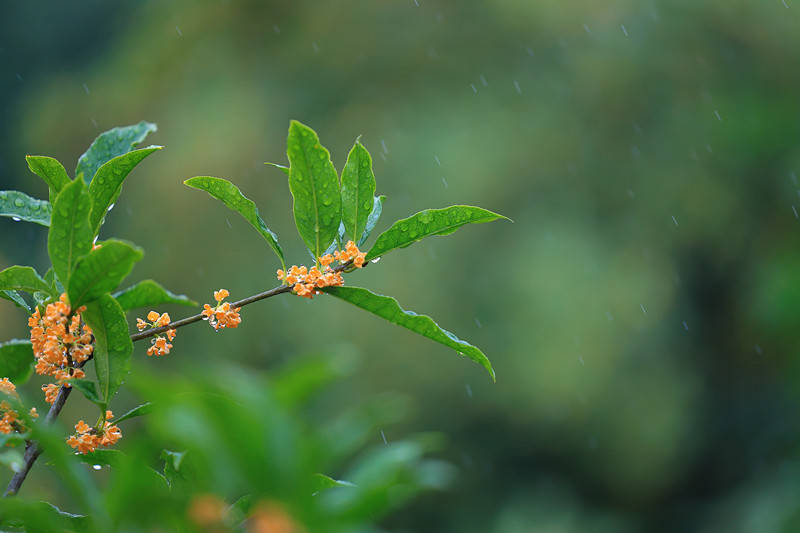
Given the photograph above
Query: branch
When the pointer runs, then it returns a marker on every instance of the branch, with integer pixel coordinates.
(32, 449)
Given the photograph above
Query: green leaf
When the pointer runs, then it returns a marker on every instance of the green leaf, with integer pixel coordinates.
(148, 293)
(144, 409)
(70, 236)
(230, 195)
(113, 346)
(20, 206)
(107, 184)
(315, 188)
(101, 271)
(358, 188)
(110, 458)
(23, 278)
(388, 308)
(374, 216)
(13, 296)
(16, 361)
(320, 482)
(282, 168)
(88, 389)
(111, 144)
(51, 171)
(426, 223)
(172, 465)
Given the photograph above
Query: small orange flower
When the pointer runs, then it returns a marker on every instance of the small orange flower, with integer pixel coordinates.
(222, 316)
(206, 510)
(7, 387)
(306, 282)
(87, 439)
(159, 345)
(50, 392)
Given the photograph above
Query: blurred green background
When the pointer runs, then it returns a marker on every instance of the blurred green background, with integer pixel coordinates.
(640, 312)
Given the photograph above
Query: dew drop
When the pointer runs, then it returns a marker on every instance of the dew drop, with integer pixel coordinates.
(97, 467)
(18, 202)
(375, 260)
(16, 219)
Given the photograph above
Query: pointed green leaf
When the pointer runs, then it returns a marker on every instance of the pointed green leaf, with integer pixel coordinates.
(141, 410)
(20, 206)
(148, 293)
(358, 189)
(51, 171)
(101, 271)
(111, 144)
(320, 482)
(13, 296)
(23, 278)
(374, 216)
(314, 184)
(282, 168)
(232, 197)
(88, 389)
(388, 308)
(16, 361)
(426, 223)
(113, 346)
(107, 183)
(70, 236)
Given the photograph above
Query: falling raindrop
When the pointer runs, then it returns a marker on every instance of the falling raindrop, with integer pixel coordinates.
(674, 220)
(478, 322)
(229, 223)
(758, 349)
(315, 46)
(444, 182)
(516, 86)
(581, 361)
(177, 29)
(585, 27)
(383, 145)
(643, 309)
(794, 209)
(716, 113)
(86, 88)
(483, 80)
(383, 436)
(436, 158)
(469, 389)
(609, 316)
(474, 89)
(623, 29)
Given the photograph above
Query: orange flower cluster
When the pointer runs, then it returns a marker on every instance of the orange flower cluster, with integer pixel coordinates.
(159, 344)
(60, 342)
(306, 282)
(9, 421)
(88, 439)
(222, 316)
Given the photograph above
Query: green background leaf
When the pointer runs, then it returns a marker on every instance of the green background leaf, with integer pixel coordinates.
(111, 144)
(315, 188)
(148, 293)
(113, 347)
(429, 222)
(16, 361)
(358, 189)
(101, 271)
(70, 236)
(23, 278)
(51, 171)
(388, 308)
(107, 184)
(282, 168)
(19, 205)
(14, 296)
(88, 389)
(230, 195)
(139, 410)
(374, 216)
